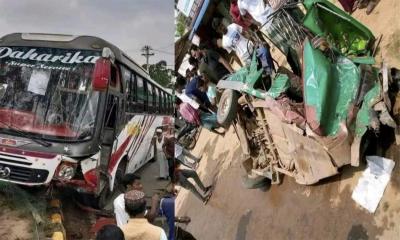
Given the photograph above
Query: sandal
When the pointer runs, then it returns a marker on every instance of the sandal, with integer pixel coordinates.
(207, 199)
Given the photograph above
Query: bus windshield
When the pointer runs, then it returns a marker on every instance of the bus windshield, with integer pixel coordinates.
(47, 92)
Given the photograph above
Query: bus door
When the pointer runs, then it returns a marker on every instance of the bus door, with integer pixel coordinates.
(112, 123)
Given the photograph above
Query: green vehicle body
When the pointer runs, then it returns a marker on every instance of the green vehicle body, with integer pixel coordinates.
(330, 86)
(341, 30)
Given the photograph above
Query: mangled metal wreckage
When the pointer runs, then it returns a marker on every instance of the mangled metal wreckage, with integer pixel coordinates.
(311, 126)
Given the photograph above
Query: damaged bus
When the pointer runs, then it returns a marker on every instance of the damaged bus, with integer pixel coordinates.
(75, 111)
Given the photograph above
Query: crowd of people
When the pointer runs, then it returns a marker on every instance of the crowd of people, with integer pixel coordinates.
(134, 217)
(197, 96)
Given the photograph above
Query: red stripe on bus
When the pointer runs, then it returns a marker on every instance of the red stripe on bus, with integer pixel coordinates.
(142, 123)
(117, 154)
(150, 122)
(146, 132)
(142, 135)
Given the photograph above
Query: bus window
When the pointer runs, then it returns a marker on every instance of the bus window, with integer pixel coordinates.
(157, 97)
(126, 78)
(150, 98)
(141, 94)
(146, 91)
(167, 104)
(170, 108)
(164, 103)
(114, 82)
(132, 93)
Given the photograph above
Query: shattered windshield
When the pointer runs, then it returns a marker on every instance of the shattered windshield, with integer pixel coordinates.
(47, 92)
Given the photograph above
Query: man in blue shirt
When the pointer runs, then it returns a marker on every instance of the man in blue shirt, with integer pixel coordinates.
(167, 209)
(193, 90)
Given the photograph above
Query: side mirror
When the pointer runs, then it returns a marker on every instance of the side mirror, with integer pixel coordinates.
(101, 74)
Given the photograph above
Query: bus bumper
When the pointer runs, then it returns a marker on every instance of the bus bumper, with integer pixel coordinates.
(27, 168)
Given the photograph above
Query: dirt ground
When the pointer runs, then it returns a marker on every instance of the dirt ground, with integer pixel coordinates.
(22, 213)
(15, 225)
(290, 210)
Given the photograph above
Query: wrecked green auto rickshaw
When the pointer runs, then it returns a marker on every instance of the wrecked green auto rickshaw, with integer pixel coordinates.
(311, 126)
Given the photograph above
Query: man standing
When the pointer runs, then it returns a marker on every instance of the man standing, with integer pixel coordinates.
(138, 227)
(132, 182)
(160, 155)
(169, 151)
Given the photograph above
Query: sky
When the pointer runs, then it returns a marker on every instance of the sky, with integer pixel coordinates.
(128, 24)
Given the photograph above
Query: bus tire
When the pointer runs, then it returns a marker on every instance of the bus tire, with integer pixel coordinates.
(227, 107)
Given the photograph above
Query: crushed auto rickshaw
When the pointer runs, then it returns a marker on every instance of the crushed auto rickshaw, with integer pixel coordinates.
(309, 126)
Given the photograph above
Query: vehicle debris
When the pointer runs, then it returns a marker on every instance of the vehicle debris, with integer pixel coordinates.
(372, 184)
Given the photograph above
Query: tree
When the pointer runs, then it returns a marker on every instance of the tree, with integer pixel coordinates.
(180, 25)
(160, 73)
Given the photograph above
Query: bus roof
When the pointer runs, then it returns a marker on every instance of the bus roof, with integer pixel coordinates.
(65, 41)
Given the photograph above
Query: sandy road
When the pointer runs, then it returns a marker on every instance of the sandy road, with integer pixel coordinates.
(286, 211)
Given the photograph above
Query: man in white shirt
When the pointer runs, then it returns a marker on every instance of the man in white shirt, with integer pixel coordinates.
(257, 9)
(132, 182)
(233, 39)
(273, 28)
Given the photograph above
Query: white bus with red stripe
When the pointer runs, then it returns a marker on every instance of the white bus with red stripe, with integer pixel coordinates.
(75, 111)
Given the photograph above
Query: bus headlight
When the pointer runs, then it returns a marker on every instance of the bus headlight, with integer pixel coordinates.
(65, 172)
